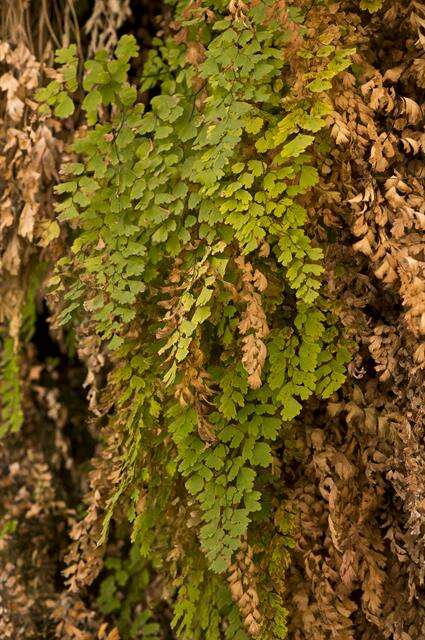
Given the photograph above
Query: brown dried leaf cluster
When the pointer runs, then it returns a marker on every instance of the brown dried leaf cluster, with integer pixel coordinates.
(358, 570)
(253, 325)
(39, 478)
(85, 557)
(106, 18)
(34, 507)
(28, 157)
(242, 586)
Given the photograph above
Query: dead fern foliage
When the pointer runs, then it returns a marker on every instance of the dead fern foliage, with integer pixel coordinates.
(358, 569)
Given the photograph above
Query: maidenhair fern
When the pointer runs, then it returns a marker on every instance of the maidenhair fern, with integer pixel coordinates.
(191, 256)
(10, 389)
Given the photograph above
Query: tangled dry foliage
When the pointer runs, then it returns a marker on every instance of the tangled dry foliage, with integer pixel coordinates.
(35, 495)
(358, 570)
(243, 588)
(355, 476)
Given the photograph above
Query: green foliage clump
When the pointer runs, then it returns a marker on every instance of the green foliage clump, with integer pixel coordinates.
(371, 5)
(10, 389)
(190, 254)
(122, 591)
